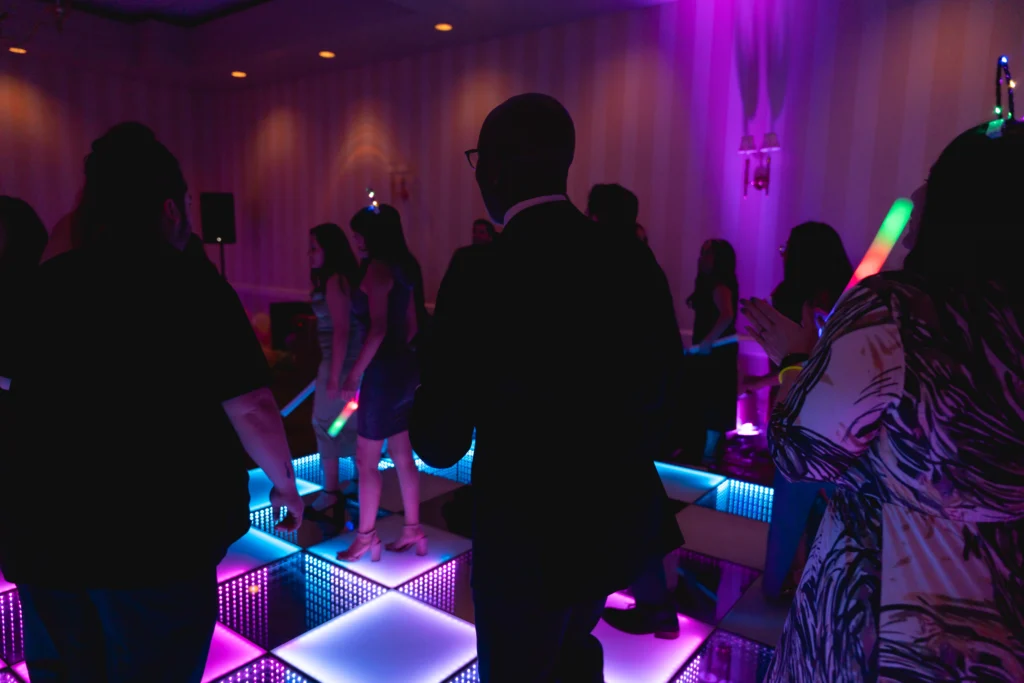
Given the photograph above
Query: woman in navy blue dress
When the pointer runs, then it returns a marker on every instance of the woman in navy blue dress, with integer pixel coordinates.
(385, 375)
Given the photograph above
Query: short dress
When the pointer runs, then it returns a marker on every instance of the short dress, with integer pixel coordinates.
(716, 375)
(325, 406)
(390, 381)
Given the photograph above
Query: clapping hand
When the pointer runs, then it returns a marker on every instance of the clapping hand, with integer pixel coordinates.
(778, 335)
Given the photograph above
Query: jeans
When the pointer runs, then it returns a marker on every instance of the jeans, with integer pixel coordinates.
(159, 635)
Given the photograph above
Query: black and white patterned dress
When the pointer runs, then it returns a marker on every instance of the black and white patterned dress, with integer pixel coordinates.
(913, 403)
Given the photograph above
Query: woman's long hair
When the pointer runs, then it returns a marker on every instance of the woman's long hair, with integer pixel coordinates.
(381, 228)
(972, 227)
(723, 272)
(815, 265)
(339, 259)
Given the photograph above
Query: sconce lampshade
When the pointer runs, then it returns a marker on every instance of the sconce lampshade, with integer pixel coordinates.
(747, 145)
(771, 143)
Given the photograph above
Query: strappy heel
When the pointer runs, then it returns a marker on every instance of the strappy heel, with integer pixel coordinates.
(412, 535)
(362, 544)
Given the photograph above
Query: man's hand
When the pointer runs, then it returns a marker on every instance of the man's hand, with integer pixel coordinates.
(290, 499)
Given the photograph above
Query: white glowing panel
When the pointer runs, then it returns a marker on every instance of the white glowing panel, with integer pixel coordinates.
(259, 489)
(628, 658)
(395, 569)
(253, 550)
(21, 670)
(228, 651)
(682, 483)
(393, 639)
(5, 585)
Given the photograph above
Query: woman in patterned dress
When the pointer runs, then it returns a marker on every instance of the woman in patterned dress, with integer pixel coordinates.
(912, 403)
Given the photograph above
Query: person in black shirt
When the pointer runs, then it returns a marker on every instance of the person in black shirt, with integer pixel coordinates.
(138, 387)
(514, 356)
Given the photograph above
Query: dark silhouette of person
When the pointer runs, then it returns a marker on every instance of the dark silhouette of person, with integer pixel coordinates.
(563, 417)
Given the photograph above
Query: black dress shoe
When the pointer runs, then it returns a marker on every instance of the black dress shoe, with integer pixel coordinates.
(642, 620)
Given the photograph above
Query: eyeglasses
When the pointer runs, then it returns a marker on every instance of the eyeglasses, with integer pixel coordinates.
(472, 156)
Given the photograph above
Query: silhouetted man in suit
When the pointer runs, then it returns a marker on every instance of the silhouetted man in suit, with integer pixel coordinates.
(556, 344)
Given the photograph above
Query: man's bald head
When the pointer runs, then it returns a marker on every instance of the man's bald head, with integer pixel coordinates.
(525, 148)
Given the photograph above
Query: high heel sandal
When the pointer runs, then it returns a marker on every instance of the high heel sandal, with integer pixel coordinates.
(363, 542)
(412, 535)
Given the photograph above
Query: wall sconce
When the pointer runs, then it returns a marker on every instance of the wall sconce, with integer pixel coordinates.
(763, 157)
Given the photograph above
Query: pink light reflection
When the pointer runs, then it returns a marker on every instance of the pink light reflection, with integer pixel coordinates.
(21, 670)
(228, 651)
(629, 658)
(5, 585)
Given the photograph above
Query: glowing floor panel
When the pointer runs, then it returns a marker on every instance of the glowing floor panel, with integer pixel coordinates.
(5, 585)
(726, 657)
(470, 674)
(12, 643)
(629, 658)
(707, 588)
(7, 677)
(393, 639)
(395, 569)
(259, 489)
(287, 598)
(266, 670)
(22, 671)
(253, 550)
(742, 498)
(228, 651)
(685, 484)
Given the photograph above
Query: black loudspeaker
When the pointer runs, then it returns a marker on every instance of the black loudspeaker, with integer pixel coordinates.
(217, 213)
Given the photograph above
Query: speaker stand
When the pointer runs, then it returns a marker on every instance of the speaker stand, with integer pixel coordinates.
(222, 273)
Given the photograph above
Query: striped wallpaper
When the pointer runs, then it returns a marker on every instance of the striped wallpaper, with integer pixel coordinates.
(863, 94)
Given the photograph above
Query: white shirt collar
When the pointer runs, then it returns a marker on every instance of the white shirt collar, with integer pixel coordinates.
(536, 201)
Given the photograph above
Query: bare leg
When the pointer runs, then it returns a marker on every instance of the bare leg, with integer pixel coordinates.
(400, 450)
(367, 460)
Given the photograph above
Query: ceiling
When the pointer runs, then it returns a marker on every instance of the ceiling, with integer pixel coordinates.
(176, 12)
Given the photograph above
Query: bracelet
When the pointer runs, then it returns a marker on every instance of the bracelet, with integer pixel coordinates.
(789, 368)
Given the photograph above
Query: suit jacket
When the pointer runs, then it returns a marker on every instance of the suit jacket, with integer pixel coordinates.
(559, 345)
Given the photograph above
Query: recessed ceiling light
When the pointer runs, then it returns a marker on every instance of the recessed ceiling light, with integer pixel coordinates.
(17, 50)
(326, 54)
(238, 74)
(443, 27)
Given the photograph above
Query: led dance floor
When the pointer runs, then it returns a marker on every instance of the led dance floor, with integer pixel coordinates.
(291, 612)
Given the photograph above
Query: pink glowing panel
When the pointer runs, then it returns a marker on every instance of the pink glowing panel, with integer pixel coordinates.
(21, 670)
(259, 489)
(392, 638)
(645, 658)
(2, 665)
(682, 483)
(228, 652)
(253, 550)
(395, 569)
(5, 585)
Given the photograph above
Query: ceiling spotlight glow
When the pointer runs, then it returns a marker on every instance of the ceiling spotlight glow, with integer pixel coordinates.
(326, 54)
(17, 50)
(238, 74)
(443, 27)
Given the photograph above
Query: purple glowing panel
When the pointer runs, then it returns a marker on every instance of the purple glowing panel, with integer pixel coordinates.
(682, 483)
(12, 643)
(8, 677)
(728, 658)
(287, 598)
(393, 638)
(470, 674)
(266, 670)
(5, 585)
(228, 651)
(397, 568)
(2, 665)
(447, 587)
(259, 489)
(22, 671)
(253, 550)
(629, 658)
